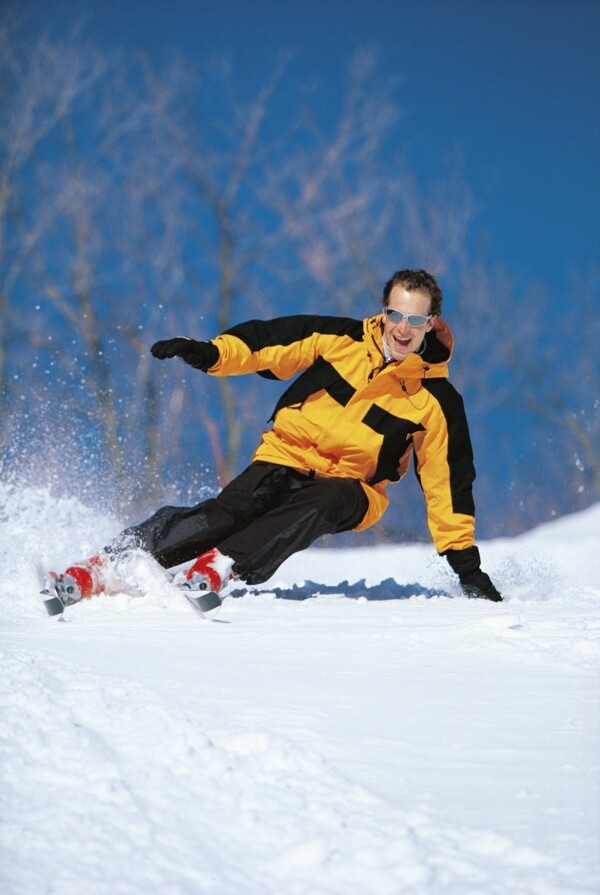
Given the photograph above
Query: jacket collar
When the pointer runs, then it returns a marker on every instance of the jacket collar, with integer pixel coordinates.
(432, 362)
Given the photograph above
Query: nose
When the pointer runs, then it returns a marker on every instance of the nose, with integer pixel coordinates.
(403, 327)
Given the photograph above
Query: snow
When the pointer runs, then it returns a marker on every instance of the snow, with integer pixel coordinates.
(326, 746)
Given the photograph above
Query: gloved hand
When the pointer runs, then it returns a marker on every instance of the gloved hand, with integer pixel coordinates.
(474, 582)
(201, 355)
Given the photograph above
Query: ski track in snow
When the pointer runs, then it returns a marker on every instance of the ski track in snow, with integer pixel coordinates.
(323, 747)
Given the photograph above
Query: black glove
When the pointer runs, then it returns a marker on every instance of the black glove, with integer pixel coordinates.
(201, 355)
(474, 582)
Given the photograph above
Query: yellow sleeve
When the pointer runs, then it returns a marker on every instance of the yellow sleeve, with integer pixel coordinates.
(281, 362)
(282, 347)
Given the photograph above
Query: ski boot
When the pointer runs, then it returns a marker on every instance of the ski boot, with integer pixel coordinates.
(203, 581)
(77, 583)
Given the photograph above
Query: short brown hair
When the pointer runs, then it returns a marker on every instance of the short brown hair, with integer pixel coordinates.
(416, 280)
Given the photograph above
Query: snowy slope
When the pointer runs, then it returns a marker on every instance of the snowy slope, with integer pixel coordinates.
(329, 746)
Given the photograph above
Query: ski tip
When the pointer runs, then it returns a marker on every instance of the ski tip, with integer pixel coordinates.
(207, 604)
(54, 605)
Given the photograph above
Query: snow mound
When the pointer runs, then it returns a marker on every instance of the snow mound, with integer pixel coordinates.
(144, 798)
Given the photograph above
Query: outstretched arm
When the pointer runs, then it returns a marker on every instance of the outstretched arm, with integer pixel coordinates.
(446, 472)
(278, 349)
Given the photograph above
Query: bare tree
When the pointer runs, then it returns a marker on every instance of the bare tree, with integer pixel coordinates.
(38, 89)
(558, 378)
(220, 145)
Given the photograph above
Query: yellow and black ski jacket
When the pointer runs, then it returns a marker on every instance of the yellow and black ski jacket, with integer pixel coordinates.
(349, 413)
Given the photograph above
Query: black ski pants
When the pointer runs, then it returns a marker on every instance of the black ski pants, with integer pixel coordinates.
(259, 519)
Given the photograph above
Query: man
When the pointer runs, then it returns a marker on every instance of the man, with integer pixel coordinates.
(371, 393)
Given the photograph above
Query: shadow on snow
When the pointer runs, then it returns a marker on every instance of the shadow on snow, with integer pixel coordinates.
(385, 590)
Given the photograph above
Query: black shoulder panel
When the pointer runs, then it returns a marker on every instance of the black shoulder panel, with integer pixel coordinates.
(257, 334)
(460, 451)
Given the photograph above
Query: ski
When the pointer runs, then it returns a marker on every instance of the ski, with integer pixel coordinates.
(54, 605)
(57, 593)
(206, 603)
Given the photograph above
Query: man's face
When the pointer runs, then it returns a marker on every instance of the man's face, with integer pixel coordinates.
(401, 338)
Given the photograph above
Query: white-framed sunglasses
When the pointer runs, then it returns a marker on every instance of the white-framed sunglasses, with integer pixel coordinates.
(414, 320)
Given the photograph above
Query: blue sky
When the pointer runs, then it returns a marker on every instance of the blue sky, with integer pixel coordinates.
(510, 86)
